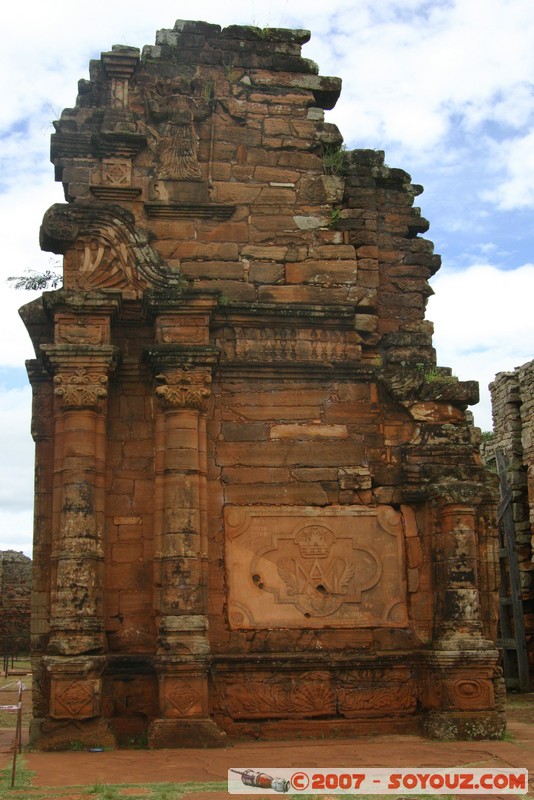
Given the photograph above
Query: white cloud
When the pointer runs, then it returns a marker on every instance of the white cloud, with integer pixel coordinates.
(483, 324)
(516, 159)
(16, 467)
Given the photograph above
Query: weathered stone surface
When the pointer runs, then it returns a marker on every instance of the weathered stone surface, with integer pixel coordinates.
(247, 461)
(15, 602)
(512, 396)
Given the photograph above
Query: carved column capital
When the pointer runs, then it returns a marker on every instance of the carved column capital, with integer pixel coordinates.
(182, 374)
(80, 373)
(184, 388)
(81, 389)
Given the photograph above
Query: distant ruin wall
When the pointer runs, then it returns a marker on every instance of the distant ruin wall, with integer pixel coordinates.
(512, 395)
(15, 602)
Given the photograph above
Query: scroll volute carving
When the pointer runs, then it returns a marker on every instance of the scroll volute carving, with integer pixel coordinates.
(104, 249)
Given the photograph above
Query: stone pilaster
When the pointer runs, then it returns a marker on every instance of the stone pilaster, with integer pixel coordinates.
(183, 375)
(80, 406)
(463, 679)
(120, 64)
(43, 435)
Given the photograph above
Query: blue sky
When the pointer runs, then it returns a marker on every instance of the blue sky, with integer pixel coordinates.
(446, 88)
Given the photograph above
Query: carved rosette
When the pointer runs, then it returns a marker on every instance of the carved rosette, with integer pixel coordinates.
(80, 390)
(184, 388)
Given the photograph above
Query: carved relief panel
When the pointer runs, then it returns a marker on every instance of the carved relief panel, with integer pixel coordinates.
(75, 699)
(315, 568)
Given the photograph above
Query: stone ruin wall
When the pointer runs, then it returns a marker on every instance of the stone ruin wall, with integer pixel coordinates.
(260, 510)
(15, 602)
(512, 396)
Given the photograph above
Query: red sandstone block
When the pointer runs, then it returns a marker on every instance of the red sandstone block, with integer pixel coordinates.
(414, 552)
(242, 173)
(276, 126)
(221, 171)
(272, 222)
(127, 533)
(132, 406)
(307, 494)
(327, 273)
(143, 496)
(292, 453)
(266, 273)
(227, 251)
(232, 290)
(255, 475)
(229, 270)
(140, 465)
(121, 485)
(283, 413)
(351, 412)
(236, 193)
(126, 552)
(276, 174)
(177, 519)
(308, 431)
(277, 195)
(226, 231)
(304, 294)
(134, 600)
(319, 474)
(247, 395)
(242, 432)
(334, 251)
(264, 252)
(135, 449)
(297, 160)
(178, 438)
(170, 231)
(297, 100)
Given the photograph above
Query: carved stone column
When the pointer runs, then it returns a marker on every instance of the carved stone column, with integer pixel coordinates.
(456, 575)
(463, 681)
(42, 429)
(182, 394)
(182, 372)
(80, 405)
(76, 645)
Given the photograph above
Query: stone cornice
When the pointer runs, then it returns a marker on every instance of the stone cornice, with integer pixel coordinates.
(165, 357)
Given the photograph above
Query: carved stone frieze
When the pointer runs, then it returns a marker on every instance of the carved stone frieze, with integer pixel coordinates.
(310, 567)
(284, 343)
(357, 699)
(306, 694)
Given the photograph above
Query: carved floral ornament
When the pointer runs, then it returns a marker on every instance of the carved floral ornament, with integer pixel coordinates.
(81, 389)
(183, 389)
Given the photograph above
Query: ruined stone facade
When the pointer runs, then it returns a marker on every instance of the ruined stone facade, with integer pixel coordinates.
(259, 510)
(15, 602)
(512, 398)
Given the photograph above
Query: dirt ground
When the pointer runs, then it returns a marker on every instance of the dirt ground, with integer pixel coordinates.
(199, 774)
